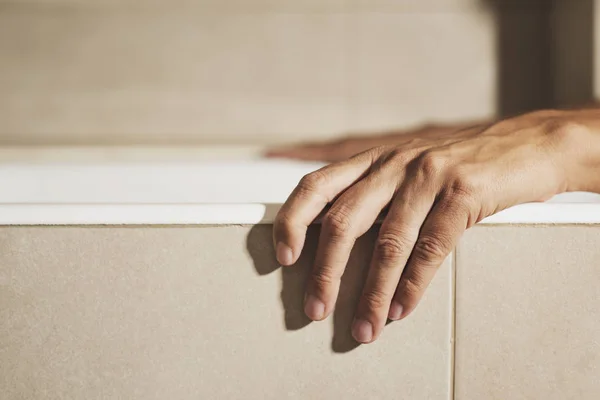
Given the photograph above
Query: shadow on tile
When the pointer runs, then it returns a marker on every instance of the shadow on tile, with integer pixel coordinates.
(259, 245)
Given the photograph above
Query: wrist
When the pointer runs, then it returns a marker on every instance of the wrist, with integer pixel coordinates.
(577, 138)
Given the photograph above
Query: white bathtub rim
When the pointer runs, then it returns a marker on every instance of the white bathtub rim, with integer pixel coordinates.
(248, 214)
(195, 186)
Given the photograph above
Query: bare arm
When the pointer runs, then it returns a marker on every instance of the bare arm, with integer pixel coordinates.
(342, 149)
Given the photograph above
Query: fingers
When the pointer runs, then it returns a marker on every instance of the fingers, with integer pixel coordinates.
(309, 198)
(349, 218)
(307, 152)
(397, 237)
(332, 151)
(421, 229)
(439, 235)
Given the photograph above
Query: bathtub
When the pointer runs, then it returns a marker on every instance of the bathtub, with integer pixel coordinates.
(149, 273)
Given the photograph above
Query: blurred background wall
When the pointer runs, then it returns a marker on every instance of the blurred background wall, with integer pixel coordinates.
(258, 71)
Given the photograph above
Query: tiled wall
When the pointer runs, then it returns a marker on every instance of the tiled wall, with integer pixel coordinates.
(205, 312)
(109, 71)
(198, 313)
(527, 306)
(256, 70)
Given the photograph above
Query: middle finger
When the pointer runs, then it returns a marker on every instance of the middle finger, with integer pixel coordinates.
(349, 218)
(397, 237)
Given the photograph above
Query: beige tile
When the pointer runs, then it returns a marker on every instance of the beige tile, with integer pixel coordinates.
(170, 75)
(527, 313)
(412, 67)
(87, 72)
(197, 312)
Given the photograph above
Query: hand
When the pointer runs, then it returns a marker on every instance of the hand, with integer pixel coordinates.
(343, 149)
(435, 188)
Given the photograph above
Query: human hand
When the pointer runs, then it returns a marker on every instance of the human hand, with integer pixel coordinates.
(342, 149)
(434, 188)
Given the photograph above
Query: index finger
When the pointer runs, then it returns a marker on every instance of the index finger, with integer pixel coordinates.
(309, 198)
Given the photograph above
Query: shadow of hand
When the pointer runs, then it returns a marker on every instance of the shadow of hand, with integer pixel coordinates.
(259, 245)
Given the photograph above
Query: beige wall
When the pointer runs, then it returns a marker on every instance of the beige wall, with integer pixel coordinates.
(205, 312)
(527, 306)
(262, 70)
(198, 313)
(92, 70)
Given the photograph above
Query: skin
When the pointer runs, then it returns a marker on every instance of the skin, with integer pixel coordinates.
(433, 187)
(342, 149)
(339, 150)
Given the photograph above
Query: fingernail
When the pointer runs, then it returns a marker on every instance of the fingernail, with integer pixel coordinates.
(362, 331)
(284, 254)
(314, 308)
(395, 311)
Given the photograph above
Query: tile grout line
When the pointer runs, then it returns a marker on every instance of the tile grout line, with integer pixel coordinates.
(453, 326)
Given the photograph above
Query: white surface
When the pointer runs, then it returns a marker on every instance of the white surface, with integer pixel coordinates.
(151, 183)
(184, 186)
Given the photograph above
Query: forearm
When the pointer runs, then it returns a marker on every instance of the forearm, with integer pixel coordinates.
(577, 135)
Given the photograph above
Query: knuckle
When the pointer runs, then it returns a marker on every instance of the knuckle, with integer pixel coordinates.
(313, 182)
(377, 156)
(389, 247)
(462, 185)
(398, 155)
(431, 163)
(323, 278)
(412, 286)
(337, 222)
(432, 247)
(405, 155)
(375, 299)
(379, 150)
